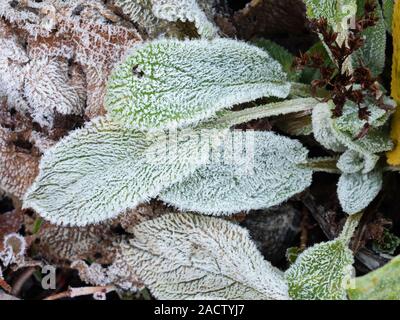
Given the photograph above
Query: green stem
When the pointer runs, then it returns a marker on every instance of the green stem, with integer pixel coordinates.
(350, 226)
(232, 118)
(323, 164)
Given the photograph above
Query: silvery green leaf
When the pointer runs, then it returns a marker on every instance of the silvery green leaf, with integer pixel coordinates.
(99, 171)
(357, 190)
(373, 53)
(261, 170)
(280, 54)
(341, 133)
(335, 11)
(187, 256)
(380, 284)
(388, 7)
(350, 162)
(323, 271)
(171, 83)
(322, 128)
(350, 122)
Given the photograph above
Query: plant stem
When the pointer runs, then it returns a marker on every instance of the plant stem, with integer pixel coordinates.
(350, 226)
(323, 164)
(231, 118)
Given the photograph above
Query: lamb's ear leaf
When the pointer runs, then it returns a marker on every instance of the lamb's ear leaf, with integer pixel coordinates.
(323, 271)
(351, 162)
(264, 171)
(380, 284)
(373, 53)
(170, 83)
(357, 190)
(341, 133)
(335, 11)
(388, 8)
(280, 54)
(322, 128)
(187, 256)
(99, 171)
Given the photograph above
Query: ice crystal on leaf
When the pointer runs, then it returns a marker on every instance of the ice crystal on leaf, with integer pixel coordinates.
(170, 83)
(265, 174)
(357, 190)
(179, 256)
(101, 170)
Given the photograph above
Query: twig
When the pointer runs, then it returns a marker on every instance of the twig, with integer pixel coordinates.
(16, 289)
(84, 291)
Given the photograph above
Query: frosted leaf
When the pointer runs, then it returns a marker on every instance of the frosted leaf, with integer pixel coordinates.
(350, 122)
(350, 162)
(319, 272)
(10, 222)
(140, 12)
(185, 256)
(357, 190)
(12, 249)
(280, 54)
(324, 271)
(82, 33)
(101, 170)
(13, 59)
(18, 169)
(373, 52)
(335, 11)
(160, 16)
(185, 10)
(62, 244)
(341, 133)
(322, 128)
(51, 87)
(171, 83)
(388, 7)
(380, 284)
(97, 275)
(141, 213)
(262, 172)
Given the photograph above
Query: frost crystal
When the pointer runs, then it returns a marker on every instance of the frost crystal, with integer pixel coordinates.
(185, 256)
(171, 83)
(357, 190)
(102, 170)
(265, 174)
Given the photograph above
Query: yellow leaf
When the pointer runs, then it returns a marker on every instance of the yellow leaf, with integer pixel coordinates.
(394, 155)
